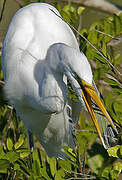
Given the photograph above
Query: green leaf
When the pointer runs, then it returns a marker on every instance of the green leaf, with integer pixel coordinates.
(96, 162)
(118, 166)
(109, 100)
(118, 25)
(4, 164)
(106, 171)
(24, 153)
(120, 15)
(44, 173)
(2, 153)
(82, 142)
(35, 155)
(52, 162)
(111, 82)
(92, 37)
(100, 58)
(107, 29)
(118, 107)
(9, 144)
(36, 168)
(70, 152)
(70, 13)
(116, 170)
(80, 10)
(86, 137)
(65, 164)
(31, 177)
(104, 48)
(20, 142)
(23, 167)
(117, 59)
(12, 156)
(60, 175)
(69, 8)
(58, 6)
(65, 16)
(113, 151)
(119, 152)
(16, 167)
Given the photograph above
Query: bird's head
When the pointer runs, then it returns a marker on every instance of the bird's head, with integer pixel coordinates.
(74, 64)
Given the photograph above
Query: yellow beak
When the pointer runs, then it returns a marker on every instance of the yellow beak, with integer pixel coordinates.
(89, 92)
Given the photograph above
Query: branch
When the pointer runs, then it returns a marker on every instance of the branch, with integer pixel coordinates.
(2, 83)
(20, 2)
(1, 15)
(102, 5)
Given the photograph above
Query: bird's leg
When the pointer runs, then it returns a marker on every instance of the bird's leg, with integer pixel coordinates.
(80, 162)
(31, 142)
(73, 134)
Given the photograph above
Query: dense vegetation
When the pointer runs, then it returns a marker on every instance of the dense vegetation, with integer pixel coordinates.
(89, 160)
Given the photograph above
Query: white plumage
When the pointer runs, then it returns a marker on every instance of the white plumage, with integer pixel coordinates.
(39, 52)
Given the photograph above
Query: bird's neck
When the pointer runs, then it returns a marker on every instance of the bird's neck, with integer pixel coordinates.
(54, 82)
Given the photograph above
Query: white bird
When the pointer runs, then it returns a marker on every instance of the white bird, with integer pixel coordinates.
(40, 52)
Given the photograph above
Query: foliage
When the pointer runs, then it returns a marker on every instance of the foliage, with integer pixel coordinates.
(89, 160)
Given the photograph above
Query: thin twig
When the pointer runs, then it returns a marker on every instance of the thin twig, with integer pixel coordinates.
(114, 79)
(81, 174)
(10, 107)
(84, 130)
(79, 28)
(1, 15)
(107, 34)
(86, 176)
(26, 51)
(108, 62)
(2, 83)
(20, 2)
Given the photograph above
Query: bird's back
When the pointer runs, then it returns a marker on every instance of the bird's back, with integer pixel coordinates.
(36, 27)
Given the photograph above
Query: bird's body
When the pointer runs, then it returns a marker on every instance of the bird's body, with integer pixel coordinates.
(39, 51)
(38, 27)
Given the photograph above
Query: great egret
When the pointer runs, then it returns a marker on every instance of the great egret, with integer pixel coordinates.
(39, 52)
